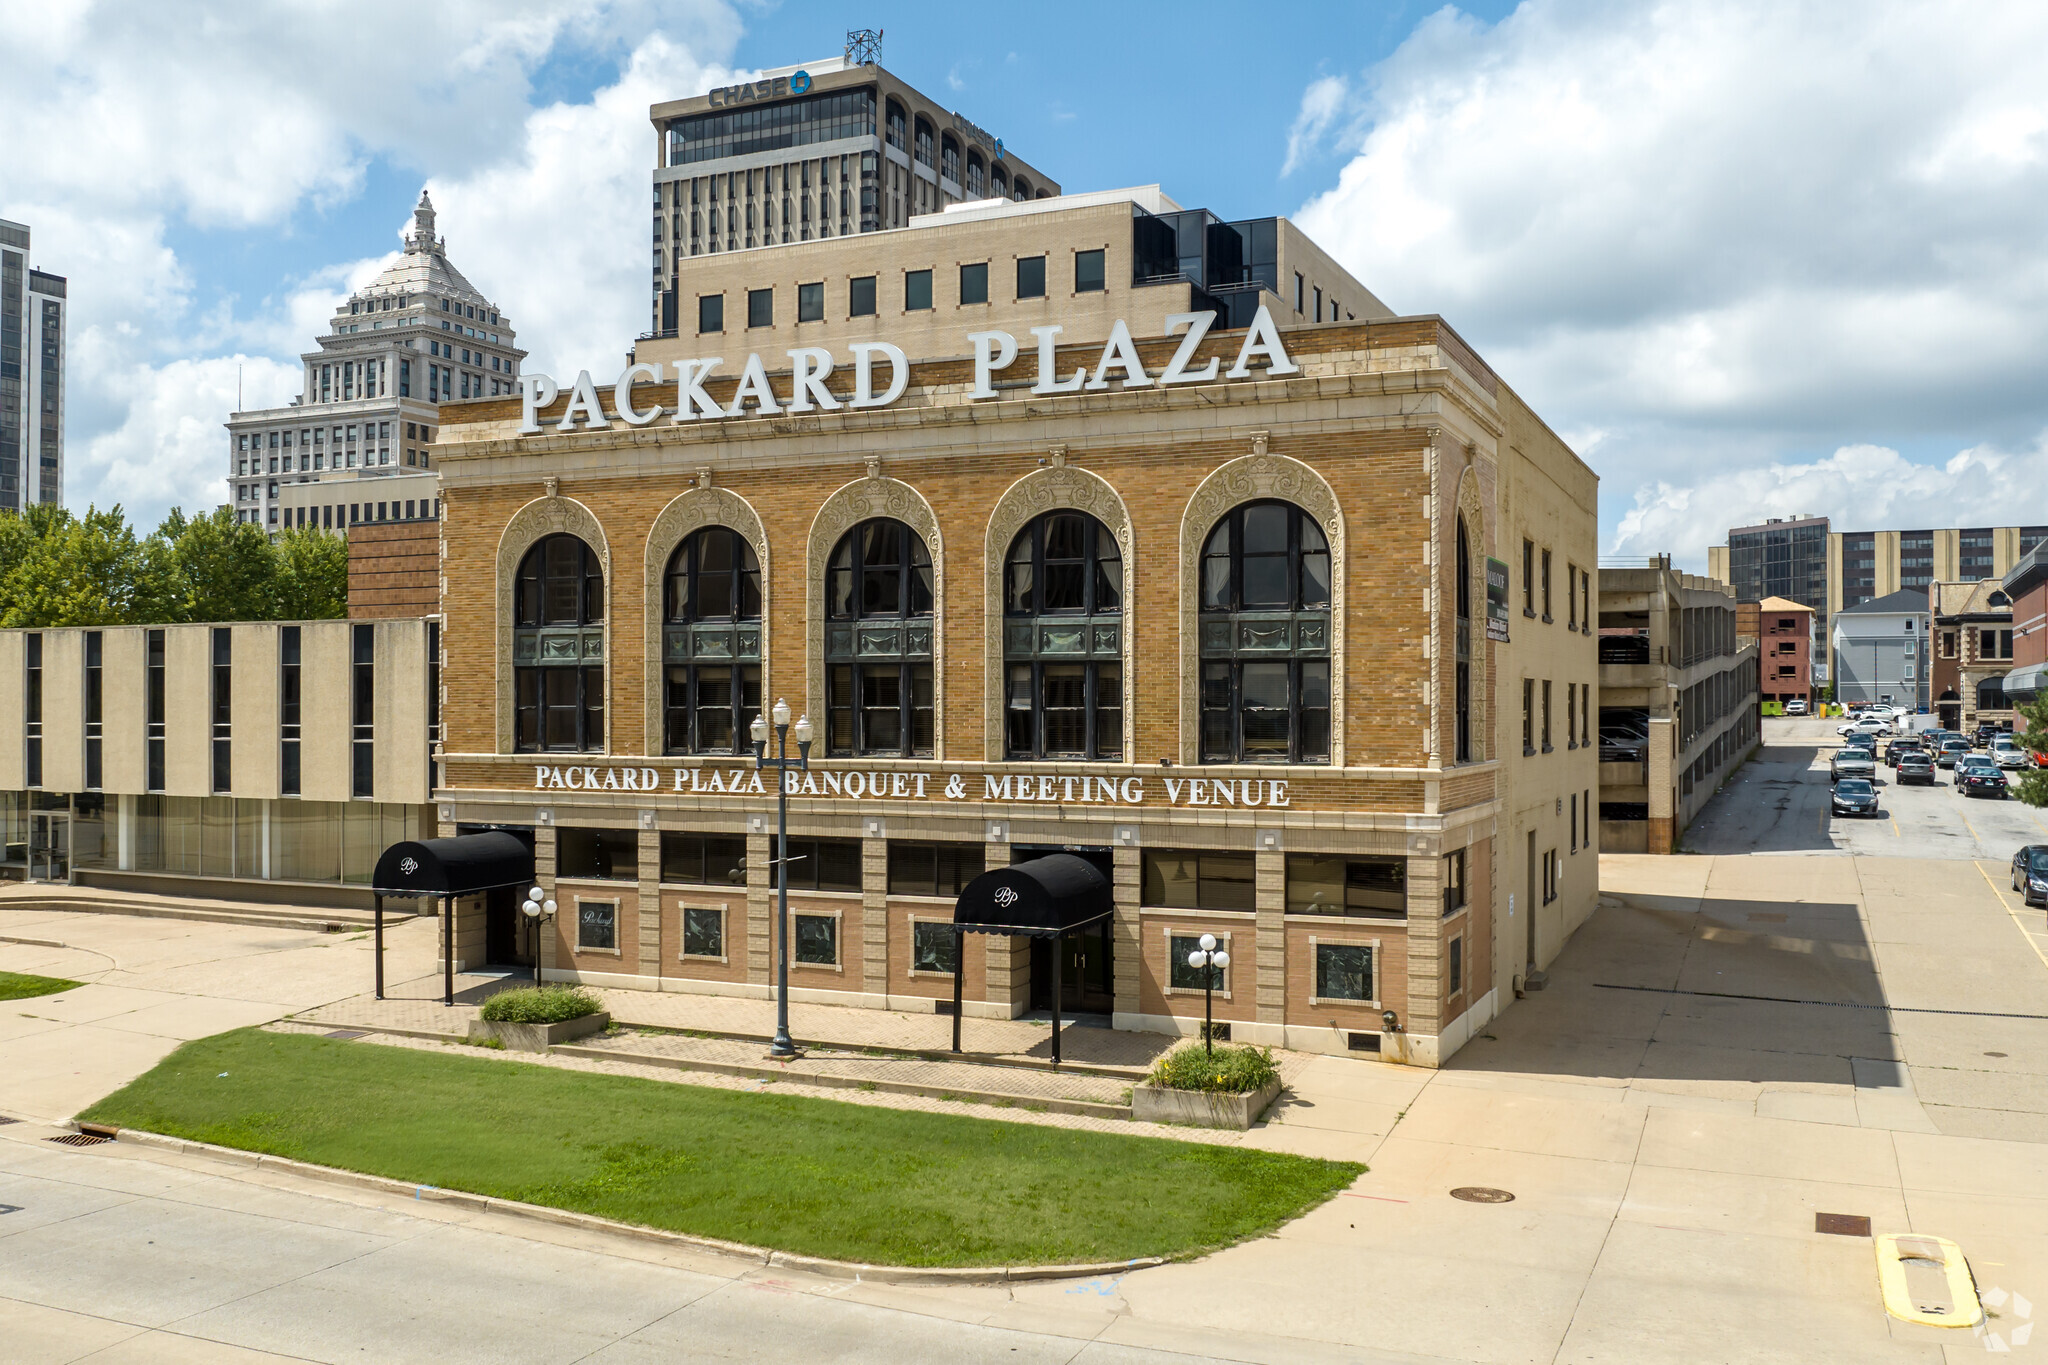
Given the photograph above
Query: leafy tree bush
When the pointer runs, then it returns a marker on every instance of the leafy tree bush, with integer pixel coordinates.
(2032, 787)
(1234, 1070)
(61, 569)
(539, 1005)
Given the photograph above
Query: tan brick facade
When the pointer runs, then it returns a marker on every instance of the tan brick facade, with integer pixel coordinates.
(1389, 437)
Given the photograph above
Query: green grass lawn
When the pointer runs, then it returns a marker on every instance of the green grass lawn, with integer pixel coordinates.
(812, 1176)
(14, 986)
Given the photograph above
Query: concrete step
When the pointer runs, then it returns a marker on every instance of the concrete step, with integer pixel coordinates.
(47, 897)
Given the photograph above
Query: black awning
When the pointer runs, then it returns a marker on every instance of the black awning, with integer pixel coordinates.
(454, 867)
(1042, 898)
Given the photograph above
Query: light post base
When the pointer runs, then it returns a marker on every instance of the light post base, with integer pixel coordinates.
(792, 1054)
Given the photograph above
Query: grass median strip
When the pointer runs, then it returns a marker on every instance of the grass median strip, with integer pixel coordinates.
(811, 1176)
(14, 986)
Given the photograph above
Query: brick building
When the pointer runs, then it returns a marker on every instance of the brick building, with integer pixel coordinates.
(2026, 587)
(1232, 618)
(1785, 635)
(1973, 653)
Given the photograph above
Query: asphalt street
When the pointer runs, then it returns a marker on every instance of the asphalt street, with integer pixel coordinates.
(1778, 803)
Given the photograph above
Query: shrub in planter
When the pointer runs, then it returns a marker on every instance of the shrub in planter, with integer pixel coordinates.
(1235, 1070)
(539, 1005)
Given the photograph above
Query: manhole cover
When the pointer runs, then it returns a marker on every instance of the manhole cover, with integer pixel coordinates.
(1842, 1224)
(1481, 1194)
(78, 1139)
(344, 1033)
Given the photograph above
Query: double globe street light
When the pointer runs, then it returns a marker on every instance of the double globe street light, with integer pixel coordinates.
(1209, 960)
(536, 908)
(782, 1049)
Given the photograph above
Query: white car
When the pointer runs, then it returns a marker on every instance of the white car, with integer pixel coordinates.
(1796, 707)
(2011, 756)
(1867, 725)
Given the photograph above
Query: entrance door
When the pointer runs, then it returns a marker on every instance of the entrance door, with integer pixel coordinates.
(1087, 972)
(49, 846)
(502, 938)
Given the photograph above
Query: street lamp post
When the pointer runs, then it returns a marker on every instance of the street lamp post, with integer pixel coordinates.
(536, 908)
(782, 1048)
(1208, 960)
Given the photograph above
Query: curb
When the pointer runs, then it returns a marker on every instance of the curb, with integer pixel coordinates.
(762, 1256)
(308, 922)
(995, 1098)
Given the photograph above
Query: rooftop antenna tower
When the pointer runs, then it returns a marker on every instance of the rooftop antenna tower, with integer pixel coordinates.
(864, 46)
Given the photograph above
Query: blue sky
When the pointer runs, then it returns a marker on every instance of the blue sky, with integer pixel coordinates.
(1749, 258)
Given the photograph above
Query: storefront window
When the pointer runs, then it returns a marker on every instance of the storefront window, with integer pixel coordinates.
(934, 947)
(703, 932)
(878, 643)
(711, 650)
(603, 853)
(703, 859)
(1063, 640)
(558, 648)
(823, 864)
(1265, 637)
(932, 869)
(1193, 880)
(1319, 884)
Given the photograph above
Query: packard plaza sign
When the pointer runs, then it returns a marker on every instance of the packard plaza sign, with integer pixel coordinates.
(862, 785)
(810, 367)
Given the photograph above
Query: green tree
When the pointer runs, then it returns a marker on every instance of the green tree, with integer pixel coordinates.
(312, 576)
(57, 569)
(222, 569)
(2033, 787)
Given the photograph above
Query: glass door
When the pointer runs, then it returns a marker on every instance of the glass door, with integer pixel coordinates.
(49, 846)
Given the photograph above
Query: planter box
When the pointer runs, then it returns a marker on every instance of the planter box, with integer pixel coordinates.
(538, 1037)
(1201, 1108)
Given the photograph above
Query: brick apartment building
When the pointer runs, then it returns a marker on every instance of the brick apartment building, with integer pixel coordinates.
(1974, 643)
(1785, 636)
(1232, 617)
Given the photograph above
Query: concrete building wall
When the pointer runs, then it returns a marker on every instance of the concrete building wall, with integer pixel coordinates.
(123, 753)
(63, 710)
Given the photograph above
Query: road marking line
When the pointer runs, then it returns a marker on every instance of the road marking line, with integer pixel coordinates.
(2025, 932)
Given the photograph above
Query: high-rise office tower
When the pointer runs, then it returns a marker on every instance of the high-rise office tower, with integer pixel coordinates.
(32, 308)
(357, 444)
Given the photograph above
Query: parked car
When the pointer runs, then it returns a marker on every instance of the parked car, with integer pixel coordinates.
(1796, 707)
(1916, 765)
(1852, 763)
(1981, 778)
(1865, 725)
(2006, 754)
(1900, 747)
(1855, 796)
(2030, 873)
(1950, 751)
(1620, 744)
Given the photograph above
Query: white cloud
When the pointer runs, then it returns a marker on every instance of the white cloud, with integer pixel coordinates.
(1321, 104)
(1865, 487)
(132, 125)
(1723, 235)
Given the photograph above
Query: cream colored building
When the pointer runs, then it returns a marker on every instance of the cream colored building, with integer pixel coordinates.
(1679, 702)
(1078, 262)
(261, 760)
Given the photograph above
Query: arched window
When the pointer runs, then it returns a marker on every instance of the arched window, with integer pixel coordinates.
(949, 158)
(878, 642)
(1265, 637)
(1463, 720)
(1063, 591)
(1020, 188)
(921, 149)
(558, 648)
(711, 643)
(895, 126)
(1991, 695)
(975, 175)
(999, 183)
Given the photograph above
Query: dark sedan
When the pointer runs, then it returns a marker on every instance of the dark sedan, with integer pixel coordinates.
(1915, 766)
(2030, 873)
(1855, 796)
(1981, 778)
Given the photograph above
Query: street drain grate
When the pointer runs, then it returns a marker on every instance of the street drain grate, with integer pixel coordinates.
(78, 1139)
(1481, 1194)
(1842, 1224)
(345, 1034)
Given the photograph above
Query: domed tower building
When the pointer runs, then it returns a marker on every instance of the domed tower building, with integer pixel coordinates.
(356, 446)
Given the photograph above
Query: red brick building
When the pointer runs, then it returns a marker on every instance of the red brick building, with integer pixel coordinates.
(1785, 634)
